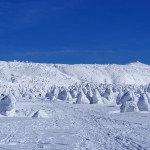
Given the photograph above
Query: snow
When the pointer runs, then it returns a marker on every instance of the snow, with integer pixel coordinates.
(143, 103)
(61, 74)
(82, 99)
(74, 107)
(74, 127)
(7, 105)
(40, 114)
(129, 102)
(97, 99)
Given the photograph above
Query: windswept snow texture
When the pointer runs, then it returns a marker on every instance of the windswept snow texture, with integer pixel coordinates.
(60, 74)
(74, 107)
(74, 127)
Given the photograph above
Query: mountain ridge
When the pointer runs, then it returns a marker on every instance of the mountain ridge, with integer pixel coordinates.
(67, 74)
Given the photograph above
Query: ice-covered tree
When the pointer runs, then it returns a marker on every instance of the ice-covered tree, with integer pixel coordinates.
(143, 104)
(97, 99)
(7, 104)
(82, 99)
(129, 102)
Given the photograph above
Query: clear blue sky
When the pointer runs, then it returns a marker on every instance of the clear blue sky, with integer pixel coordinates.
(75, 31)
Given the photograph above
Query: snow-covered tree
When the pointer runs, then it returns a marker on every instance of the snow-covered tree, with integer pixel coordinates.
(7, 104)
(97, 99)
(82, 99)
(129, 102)
(143, 104)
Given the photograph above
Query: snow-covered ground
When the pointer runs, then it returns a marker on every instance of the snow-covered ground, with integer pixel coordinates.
(74, 107)
(78, 127)
(61, 74)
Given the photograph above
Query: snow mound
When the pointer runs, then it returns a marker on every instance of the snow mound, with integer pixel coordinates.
(11, 113)
(7, 105)
(40, 114)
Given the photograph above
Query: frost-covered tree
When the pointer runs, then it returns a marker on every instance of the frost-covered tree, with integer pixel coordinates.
(64, 95)
(118, 98)
(129, 102)
(97, 99)
(7, 104)
(53, 93)
(74, 92)
(108, 94)
(143, 104)
(82, 99)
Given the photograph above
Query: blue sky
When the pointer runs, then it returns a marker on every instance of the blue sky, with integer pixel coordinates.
(75, 31)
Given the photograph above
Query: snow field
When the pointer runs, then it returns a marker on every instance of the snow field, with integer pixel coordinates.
(74, 107)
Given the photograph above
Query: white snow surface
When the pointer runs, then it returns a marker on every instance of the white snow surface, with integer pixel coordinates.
(62, 74)
(74, 107)
(74, 127)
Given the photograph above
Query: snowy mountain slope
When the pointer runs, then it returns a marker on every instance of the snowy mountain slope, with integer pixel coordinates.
(134, 73)
(61, 74)
(33, 73)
